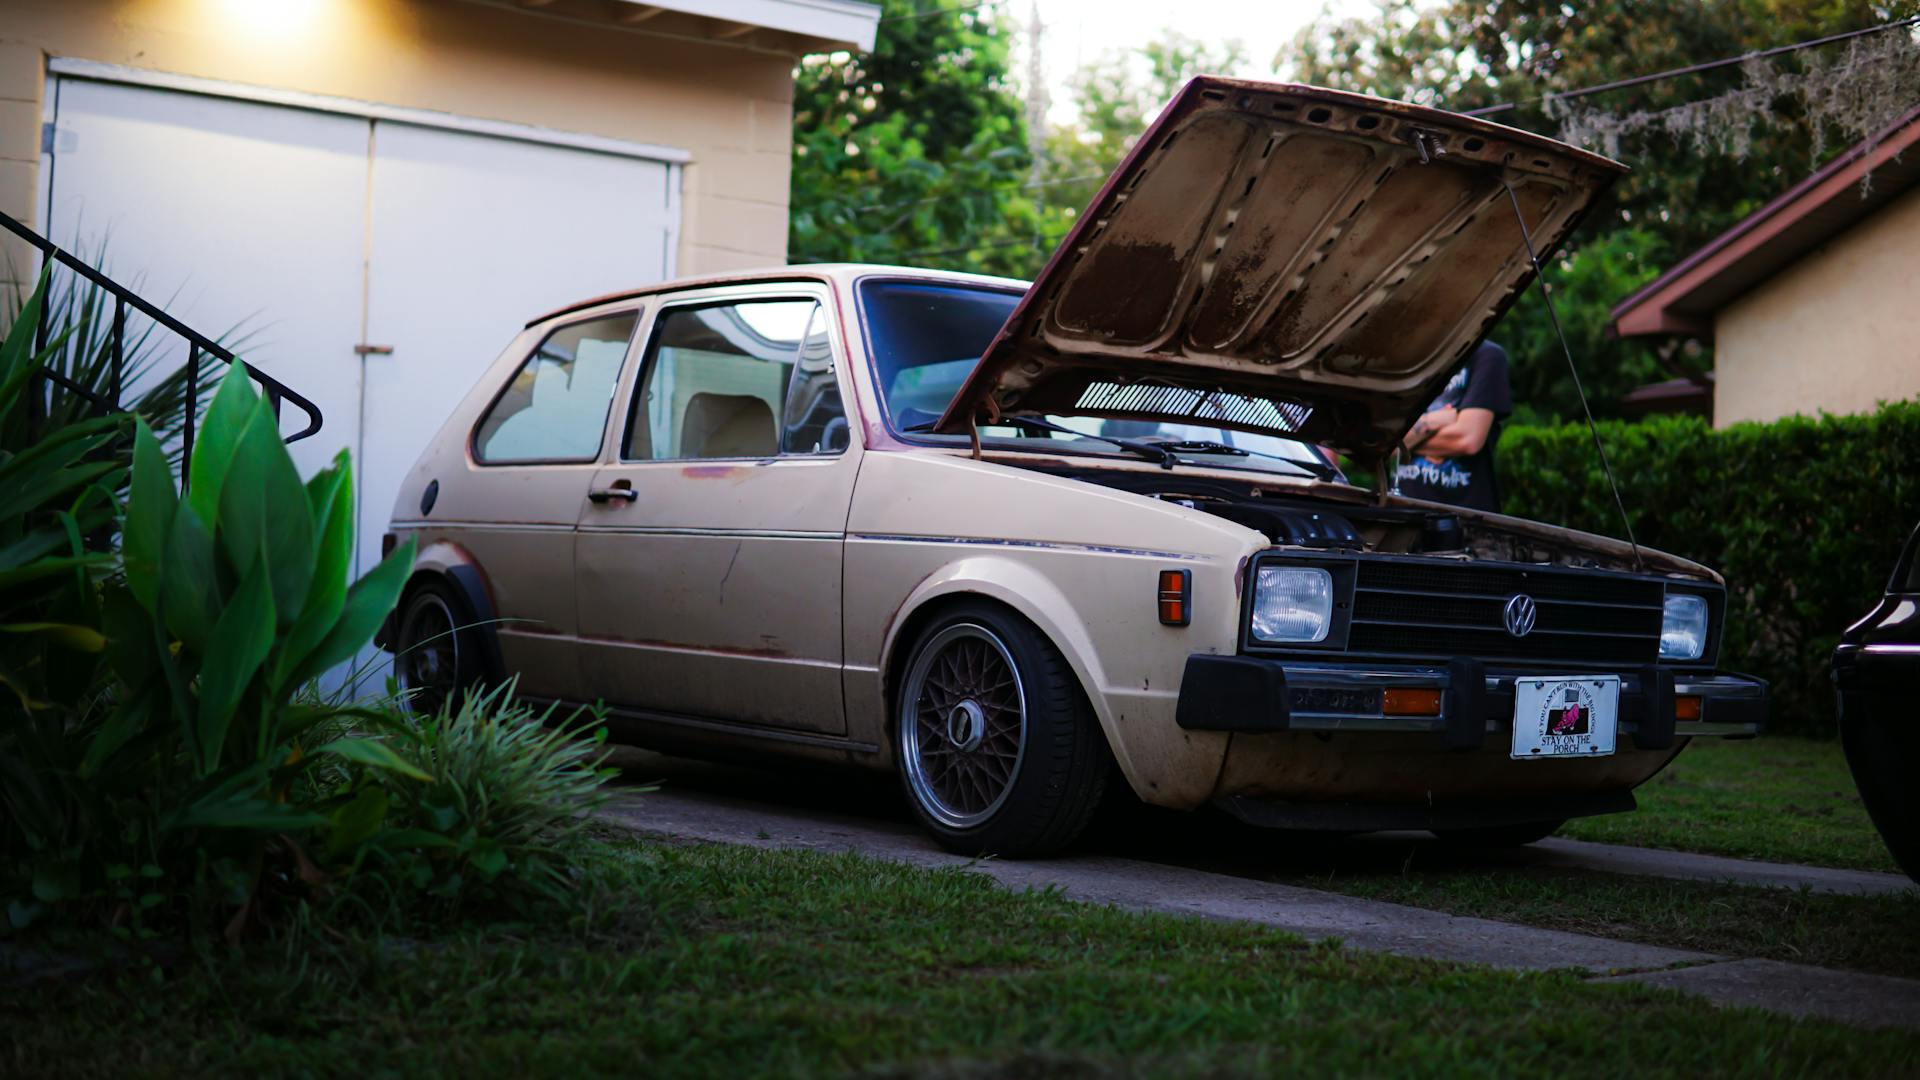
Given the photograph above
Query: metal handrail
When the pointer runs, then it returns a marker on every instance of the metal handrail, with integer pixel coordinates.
(275, 391)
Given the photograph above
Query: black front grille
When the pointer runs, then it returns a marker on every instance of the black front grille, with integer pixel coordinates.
(1442, 609)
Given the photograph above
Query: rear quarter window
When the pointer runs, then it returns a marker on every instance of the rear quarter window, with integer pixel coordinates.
(554, 409)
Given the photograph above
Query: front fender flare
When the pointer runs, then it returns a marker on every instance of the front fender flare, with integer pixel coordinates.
(1183, 765)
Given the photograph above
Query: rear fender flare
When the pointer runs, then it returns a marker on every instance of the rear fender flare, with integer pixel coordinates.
(448, 564)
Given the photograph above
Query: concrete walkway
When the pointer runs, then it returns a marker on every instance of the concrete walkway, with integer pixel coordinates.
(1367, 924)
(1557, 852)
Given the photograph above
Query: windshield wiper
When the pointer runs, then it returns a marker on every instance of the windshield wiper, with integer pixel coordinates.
(1151, 451)
(1203, 446)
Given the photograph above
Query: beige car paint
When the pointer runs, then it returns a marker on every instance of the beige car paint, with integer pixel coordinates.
(921, 525)
(716, 591)
(496, 516)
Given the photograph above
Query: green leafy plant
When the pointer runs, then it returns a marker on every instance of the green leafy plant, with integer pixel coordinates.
(56, 491)
(83, 354)
(165, 755)
(495, 793)
(193, 765)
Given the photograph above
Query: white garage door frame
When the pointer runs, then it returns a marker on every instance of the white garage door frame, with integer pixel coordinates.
(673, 157)
(102, 72)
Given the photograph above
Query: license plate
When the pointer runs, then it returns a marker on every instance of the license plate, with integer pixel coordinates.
(1563, 716)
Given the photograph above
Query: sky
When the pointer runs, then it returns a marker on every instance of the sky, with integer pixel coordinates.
(1081, 31)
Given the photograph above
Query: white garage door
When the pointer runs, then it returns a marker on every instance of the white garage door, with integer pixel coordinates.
(317, 233)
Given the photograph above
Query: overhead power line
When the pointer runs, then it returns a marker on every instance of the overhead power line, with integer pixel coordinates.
(1694, 69)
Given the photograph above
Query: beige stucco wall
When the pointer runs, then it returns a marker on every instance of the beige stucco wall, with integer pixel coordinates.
(730, 107)
(1834, 332)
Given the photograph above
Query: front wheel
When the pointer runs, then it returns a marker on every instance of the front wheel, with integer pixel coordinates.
(995, 745)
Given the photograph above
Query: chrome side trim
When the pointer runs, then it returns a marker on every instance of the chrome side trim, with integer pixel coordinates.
(668, 530)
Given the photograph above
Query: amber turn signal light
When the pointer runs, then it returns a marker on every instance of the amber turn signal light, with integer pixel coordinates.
(1686, 708)
(1176, 597)
(1410, 703)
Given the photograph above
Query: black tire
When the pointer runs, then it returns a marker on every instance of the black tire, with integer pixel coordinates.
(1881, 738)
(978, 791)
(436, 648)
(1499, 836)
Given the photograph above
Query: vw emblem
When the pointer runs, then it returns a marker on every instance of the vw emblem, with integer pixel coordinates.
(1520, 615)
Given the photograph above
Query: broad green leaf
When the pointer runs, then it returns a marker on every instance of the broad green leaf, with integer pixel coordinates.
(373, 753)
(29, 547)
(17, 361)
(128, 719)
(331, 494)
(369, 602)
(238, 645)
(189, 583)
(264, 513)
(246, 813)
(81, 638)
(49, 567)
(150, 510)
(358, 820)
(217, 441)
(43, 489)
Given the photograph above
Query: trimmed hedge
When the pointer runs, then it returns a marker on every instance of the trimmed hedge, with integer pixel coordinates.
(1803, 517)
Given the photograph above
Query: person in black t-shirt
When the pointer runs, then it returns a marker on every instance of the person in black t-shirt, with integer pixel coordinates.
(1450, 449)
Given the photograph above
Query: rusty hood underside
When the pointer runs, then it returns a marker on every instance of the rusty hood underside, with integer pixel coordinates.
(1284, 259)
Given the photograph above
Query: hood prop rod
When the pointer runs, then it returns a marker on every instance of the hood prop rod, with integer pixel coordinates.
(1546, 293)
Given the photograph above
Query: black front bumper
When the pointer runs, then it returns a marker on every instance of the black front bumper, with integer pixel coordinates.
(1255, 695)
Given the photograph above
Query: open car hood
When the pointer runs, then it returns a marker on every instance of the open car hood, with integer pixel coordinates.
(1288, 260)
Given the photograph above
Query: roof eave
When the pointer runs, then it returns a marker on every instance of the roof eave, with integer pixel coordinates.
(1671, 303)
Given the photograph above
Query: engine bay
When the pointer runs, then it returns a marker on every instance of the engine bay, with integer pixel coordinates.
(1290, 519)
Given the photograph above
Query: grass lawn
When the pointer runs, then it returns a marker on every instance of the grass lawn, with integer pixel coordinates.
(714, 961)
(1862, 933)
(1774, 798)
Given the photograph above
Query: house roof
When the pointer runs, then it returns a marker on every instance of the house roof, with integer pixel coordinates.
(1683, 300)
(789, 26)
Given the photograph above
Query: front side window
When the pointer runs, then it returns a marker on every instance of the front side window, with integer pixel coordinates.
(555, 408)
(752, 379)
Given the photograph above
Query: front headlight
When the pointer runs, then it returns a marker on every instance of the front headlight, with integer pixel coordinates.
(1683, 628)
(1292, 603)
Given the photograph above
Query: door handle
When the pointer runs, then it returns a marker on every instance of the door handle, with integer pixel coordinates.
(620, 490)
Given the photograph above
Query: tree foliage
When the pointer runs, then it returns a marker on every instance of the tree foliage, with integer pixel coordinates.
(918, 152)
(915, 151)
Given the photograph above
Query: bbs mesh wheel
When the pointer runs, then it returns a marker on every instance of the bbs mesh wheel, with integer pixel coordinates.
(995, 745)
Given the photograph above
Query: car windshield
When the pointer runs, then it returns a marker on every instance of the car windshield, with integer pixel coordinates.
(926, 337)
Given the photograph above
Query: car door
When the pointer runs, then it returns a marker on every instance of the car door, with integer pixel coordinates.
(708, 554)
(530, 462)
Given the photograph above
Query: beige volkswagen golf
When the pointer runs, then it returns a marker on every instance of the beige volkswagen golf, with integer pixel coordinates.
(1022, 543)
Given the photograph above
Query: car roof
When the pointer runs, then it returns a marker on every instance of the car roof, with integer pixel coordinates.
(828, 272)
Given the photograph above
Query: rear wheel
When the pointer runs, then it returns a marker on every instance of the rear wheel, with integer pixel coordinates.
(1499, 836)
(436, 652)
(995, 745)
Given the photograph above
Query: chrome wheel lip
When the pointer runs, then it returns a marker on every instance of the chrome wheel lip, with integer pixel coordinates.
(914, 748)
(434, 648)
